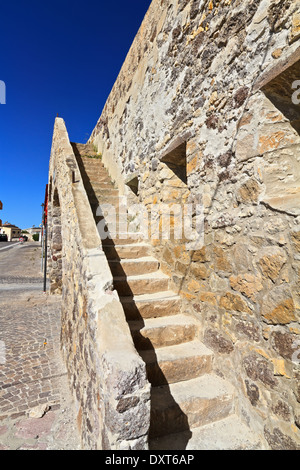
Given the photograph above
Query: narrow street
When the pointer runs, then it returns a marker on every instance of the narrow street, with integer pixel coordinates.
(36, 409)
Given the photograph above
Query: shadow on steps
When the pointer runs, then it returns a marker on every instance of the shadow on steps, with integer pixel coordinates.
(166, 416)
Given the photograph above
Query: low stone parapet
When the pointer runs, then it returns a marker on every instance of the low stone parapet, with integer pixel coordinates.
(107, 376)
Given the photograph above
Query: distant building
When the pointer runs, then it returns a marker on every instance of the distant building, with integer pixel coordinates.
(12, 231)
(33, 230)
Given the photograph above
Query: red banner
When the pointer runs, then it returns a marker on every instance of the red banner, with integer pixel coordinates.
(46, 206)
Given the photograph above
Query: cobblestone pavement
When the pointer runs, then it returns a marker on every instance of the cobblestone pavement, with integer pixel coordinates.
(36, 408)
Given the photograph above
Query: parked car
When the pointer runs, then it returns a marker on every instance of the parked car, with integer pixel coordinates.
(23, 238)
(3, 237)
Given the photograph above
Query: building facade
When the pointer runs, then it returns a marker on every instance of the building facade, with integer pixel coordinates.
(10, 230)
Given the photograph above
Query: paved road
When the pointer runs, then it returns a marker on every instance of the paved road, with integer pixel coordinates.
(8, 245)
(36, 409)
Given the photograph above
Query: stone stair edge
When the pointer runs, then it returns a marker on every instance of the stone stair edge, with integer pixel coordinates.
(212, 436)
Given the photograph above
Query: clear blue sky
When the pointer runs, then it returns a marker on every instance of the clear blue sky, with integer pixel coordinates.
(57, 56)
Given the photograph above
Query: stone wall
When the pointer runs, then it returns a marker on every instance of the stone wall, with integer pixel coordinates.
(106, 374)
(203, 107)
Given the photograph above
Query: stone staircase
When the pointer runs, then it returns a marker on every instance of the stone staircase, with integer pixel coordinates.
(191, 407)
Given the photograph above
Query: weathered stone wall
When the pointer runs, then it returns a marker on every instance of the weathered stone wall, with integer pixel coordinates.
(54, 256)
(106, 374)
(211, 82)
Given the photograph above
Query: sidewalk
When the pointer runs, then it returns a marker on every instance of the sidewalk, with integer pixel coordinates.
(36, 409)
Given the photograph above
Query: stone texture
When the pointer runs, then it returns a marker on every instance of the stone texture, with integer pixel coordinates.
(258, 368)
(248, 284)
(234, 302)
(278, 306)
(218, 342)
(201, 111)
(279, 441)
(295, 31)
(271, 262)
(285, 343)
(249, 192)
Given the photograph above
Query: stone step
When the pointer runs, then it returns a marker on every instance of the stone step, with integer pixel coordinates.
(85, 151)
(112, 221)
(163, 331)
(109, 224)
(99, 179)
(97, 167)
(102, 191)
(183, 406)
(155, 305)
(130, 251)
(99, 186)
(226, 434)
(92, 162)
(134, 267)
(104, 188)
(97, 173)
(123, 238)
(110, 210)
(177, 363)
(104, 201)
(97, 170)
(141, 284)
(99, 192)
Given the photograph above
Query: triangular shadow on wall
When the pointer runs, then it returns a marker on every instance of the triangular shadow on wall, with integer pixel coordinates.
(283, 91)
(175, 159)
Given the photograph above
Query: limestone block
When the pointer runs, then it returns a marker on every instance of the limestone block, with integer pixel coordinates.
(248, 192)
(278, 306)
(281, 177)
(248, 284)
(259, 368)
(234, 302)
(271, 260)
(221, 260)
(295, 30)
(217, 341)
(286, 344)
(198, 270)
(295, 238)
(242, 257)
(208, 297)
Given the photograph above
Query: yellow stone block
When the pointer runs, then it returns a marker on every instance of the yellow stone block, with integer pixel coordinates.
(279, 364)
(145, 176)
(214, 97)
(295, 31)
(280, 367)
(192, 165)
(181, 253)
(273, 141)
(261, 352)
(193, 286)
(208, 297)
(189, 296)
(295, 330)
(191, 147)
(276, 53)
